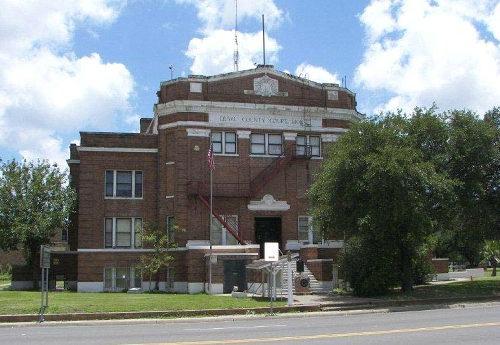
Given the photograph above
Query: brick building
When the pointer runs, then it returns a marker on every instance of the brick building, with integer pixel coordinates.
(269, 131)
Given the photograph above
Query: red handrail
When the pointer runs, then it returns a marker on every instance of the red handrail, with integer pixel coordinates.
(221, 220)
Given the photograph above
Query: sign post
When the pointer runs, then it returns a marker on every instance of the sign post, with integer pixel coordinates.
(289, 279)
(272, 254)
(44, 288)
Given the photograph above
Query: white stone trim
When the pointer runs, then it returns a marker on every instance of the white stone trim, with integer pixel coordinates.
(127, 250)
(90, 286)
(73, 161)
(116, 149)
(21, 285)
(290, 136)
(227, 154)
(169, 163)
(268, 203)
(231, 254)
(329, 138)
(258, 70)
(243, 134)
(183, 106)
(195, 288)
(181, 287)
(197, 246)
(216, 125)
(198, 132)
(217, 288)
(195, 87)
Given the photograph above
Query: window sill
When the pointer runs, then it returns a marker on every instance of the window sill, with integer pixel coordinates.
(265, 156)
(227, 154)
(121, 198)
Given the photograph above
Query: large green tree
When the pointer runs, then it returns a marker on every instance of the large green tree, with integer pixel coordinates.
(383, 194)
(35, 204)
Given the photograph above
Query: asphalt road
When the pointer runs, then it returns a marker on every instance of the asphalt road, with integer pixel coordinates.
(474, 324)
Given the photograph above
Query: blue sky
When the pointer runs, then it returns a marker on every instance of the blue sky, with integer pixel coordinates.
(74, 65)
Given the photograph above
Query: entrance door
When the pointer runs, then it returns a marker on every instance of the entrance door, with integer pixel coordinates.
(267, 229)
(234, 275)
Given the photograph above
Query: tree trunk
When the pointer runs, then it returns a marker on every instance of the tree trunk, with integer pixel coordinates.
(494, 265)
(406, 270)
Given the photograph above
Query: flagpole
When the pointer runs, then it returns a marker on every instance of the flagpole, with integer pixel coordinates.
(211, 224)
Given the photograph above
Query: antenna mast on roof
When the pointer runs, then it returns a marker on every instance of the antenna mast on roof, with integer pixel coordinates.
(263, 41)
(236, 55)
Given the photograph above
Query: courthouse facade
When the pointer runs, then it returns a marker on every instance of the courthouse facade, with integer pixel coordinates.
(270, 132)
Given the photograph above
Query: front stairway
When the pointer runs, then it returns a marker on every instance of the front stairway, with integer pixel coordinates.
(260, 289)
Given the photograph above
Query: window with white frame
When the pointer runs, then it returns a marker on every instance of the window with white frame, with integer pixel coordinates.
(123, 184)
(224, 142)
(306, 232)
(121, 278)
(220, 235)
(122, 232)
(269, 143)
(308, 145)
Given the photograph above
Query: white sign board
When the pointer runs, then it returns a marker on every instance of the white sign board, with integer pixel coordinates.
(271, 251)
(262, 121)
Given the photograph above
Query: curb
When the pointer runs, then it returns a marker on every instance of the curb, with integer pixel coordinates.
(244, 311)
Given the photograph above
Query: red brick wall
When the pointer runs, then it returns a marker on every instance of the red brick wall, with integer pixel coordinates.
(322, 270)
(93, 207)
(232, 90)
(118, 140)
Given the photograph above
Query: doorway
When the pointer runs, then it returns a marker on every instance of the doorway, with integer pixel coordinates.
(234, 275)
(267, 229)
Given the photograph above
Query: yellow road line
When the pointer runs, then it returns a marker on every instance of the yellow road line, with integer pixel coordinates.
(330, 335)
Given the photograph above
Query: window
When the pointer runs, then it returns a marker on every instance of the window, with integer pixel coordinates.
(123, 184)
(308, 145)
(121, 278)
(123, 233)
(306, 231)
(258, 144)
(224, 142)
(261, 144)
(170, 228)
(220, 235)
(274, 144)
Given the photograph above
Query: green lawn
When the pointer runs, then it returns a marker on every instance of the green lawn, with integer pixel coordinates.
(486, 286)
(28, 302)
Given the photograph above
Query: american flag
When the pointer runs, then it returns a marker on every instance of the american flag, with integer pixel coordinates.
(210, 158)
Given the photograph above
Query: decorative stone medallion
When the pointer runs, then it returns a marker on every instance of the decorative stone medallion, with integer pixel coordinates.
(265, 86)
(268, 203)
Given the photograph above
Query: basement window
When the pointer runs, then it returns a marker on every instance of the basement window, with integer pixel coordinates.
(121, 278)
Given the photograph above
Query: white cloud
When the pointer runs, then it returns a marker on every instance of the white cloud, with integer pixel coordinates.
(212, 53)
(45, 90)
(220, 14)
(316, 73)
(425, 51)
